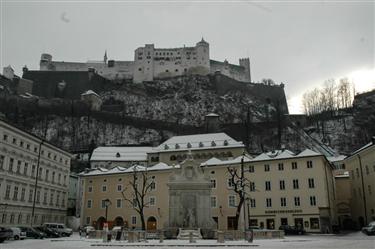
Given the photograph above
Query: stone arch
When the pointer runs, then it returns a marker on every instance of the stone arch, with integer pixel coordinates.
(151, 223)
(100, 223)
(119, 221)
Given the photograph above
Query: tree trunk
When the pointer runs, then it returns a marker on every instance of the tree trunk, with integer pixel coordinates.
(238, 212)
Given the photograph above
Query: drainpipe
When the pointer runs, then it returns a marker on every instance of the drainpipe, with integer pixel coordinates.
(363, 188)
(36, 183)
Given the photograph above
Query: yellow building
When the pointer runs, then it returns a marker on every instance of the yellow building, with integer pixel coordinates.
(34, 178)
(284, 188)
(361, 166)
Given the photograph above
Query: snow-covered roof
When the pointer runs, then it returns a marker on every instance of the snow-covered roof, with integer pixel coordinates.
(199, 142)
(262, 157)
(120, 154)
(308, 152)
(90, 92)
(216, 161)
(333, 159)
(122, 170)
(212, 115)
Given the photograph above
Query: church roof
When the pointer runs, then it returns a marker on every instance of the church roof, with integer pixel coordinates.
(199, 142)
(120, 154)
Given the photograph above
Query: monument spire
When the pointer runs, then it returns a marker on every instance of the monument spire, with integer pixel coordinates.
(105, 56)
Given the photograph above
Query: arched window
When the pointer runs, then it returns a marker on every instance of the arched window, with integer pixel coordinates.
(173, 158)
(213, 143)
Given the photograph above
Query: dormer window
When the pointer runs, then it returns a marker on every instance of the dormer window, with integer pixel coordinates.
(213, 144)
(177, 146)
(225, 143)
(118, 154)
(166, 147)
(201, 144)
(189, 145)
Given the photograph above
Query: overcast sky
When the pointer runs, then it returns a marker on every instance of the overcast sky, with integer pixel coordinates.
(298, 43)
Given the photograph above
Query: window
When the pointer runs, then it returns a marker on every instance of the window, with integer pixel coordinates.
(38, 196)
(104, 188)
(23, 192)
(135, 203)
(11, 161)
(268, 202)
(311, 183)
(28, 146)
(230, 183)
(89, 189)
(309, 164)
(18, 170)
(268, 185)
(283, 201)
(7, 192)
(231, 222)
(119, 187)
(15, 193)
(51, 199)
(294, 165)
(31, 193)
(45, 197)
(14, 141)
(357, 171)
(25, 168)
(53, 177)
(134, 220)
(314, 223)
(251, 168)
(369, 189)
(5, 137)
(295, 184)
(367, 170)
(152, 200)
(213, 201)
(47, 174)
(104, 202)
(213, 183)
(252, 186)
(266, 167)
(33, 171)
(232, 201)
(282, 185)
(88, 220)
(119, 203)
(89, 203)
(252, 203)
(153, 185)
(297, 202)
(281, 166)
(2, 159)
(312, 201)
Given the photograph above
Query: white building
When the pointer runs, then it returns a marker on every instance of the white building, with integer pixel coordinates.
(152, 63)
(34, 178)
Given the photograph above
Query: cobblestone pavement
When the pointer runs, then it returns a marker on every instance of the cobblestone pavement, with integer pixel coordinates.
(355, 240)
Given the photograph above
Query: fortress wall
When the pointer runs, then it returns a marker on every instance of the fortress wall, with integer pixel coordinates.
(234, 71)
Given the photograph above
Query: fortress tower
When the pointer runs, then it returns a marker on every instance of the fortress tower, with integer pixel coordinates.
(245, 62)
(45, 61)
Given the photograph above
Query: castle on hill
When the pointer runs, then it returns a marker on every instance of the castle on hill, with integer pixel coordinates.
(156, 63)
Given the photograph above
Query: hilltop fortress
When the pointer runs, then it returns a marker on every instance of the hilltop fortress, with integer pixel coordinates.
(155, 63)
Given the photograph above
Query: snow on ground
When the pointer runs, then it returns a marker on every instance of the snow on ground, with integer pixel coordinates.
(355, 240)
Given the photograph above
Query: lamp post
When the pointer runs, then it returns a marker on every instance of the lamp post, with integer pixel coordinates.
(36, 182)
(107, 202)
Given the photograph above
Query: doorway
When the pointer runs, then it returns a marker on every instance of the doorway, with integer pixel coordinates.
(151, 224)
(270, 224)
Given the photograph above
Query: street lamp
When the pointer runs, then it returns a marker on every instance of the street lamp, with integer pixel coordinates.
(107, 202)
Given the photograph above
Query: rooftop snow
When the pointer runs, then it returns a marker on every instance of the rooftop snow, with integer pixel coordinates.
(308, 152)
(120, 154)
(88, 92)
(199, 142)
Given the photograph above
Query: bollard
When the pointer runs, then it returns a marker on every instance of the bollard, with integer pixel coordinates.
(220, 237)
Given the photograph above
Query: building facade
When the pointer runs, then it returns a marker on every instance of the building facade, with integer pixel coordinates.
(361, 167)
(34, 179)
(154, 63)
(285, 188)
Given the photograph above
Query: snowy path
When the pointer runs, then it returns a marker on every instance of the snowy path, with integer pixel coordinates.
(351, 241)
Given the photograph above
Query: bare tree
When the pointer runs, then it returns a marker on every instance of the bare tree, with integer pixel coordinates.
(136, 191)
(344, 96)
(239, 183)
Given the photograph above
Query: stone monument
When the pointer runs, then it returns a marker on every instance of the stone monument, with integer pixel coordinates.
(189, 201)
